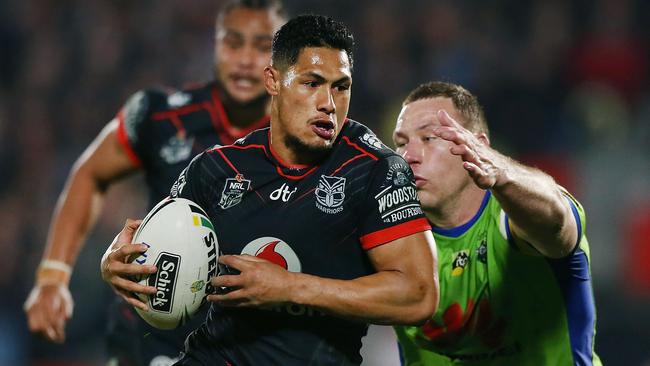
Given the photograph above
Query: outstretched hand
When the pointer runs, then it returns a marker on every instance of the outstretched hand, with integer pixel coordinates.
(484, 164)
(260, 283)
(118, 271)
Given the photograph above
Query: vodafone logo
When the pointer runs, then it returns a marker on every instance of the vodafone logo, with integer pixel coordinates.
(274, 250)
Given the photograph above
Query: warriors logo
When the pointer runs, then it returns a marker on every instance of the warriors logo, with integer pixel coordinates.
(330, 194)
(177, 149)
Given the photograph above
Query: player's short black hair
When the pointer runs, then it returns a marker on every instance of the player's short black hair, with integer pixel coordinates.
(309, 31)
(465, 102)
(274, 5)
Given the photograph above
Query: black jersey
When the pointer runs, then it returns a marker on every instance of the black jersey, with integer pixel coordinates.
(319, 220)
(161, 132)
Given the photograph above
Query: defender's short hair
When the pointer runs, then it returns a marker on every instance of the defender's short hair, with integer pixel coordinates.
(309, 31)
(465, 102)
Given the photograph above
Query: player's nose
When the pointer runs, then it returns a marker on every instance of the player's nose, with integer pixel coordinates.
(326, 100)
(412, 154)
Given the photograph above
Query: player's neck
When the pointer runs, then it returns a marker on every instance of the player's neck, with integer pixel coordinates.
(242, 115)
(292, 155)
(458, 210)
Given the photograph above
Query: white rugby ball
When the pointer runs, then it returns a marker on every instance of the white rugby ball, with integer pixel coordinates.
(183, 246)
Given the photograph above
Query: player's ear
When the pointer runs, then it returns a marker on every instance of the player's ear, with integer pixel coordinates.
(271, 80)
(483, 137)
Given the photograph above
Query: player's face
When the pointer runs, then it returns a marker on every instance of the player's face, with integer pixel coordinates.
(313, 98)
(439, 175)
(243, 49)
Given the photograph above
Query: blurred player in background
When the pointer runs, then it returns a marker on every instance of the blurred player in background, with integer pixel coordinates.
(319, 222)
(513, 256)
(157, 132)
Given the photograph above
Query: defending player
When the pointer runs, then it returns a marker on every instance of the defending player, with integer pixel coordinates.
(320, 221)
(514, 259)
(158, 133)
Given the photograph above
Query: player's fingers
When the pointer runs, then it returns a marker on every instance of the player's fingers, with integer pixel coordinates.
(235, 261)
(119, 268)
(474, 171)
(35, 320)
(233, 298)
(134, 301)
(122, 284)
(226, 281)
(447, 120)
(50, 334)
(466, 153)
(127, 250)
(447, 133)
(481, 178)
(58, 329)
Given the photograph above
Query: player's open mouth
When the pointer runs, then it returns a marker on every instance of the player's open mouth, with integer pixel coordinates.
(243, 81)
(324, 129)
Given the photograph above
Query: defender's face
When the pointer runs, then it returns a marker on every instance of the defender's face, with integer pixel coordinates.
(439, 175)
(243, 49)
(313, 97)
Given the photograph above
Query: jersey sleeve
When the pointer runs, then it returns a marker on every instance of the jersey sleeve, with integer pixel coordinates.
(132, 125)
(190, 183)
(391, 209)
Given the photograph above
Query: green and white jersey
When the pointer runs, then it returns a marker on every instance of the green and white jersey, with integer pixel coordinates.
(499, 306)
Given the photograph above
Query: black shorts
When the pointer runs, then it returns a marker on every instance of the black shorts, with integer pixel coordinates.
(199, 352)
(133, 342)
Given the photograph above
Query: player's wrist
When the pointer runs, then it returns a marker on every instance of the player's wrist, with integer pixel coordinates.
(53, 272)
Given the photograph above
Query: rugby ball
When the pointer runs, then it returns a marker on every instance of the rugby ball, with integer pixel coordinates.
(183, 247)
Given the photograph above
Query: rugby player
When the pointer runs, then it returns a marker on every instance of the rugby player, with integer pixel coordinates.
(343, 243)
(513, 256)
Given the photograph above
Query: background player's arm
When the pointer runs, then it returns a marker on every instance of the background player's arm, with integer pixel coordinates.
(538, 210)
(404, 290)
(49, 304)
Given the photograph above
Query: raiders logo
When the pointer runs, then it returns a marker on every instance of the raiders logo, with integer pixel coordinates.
(459, 263)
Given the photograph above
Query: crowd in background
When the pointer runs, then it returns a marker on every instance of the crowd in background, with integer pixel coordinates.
(565, 86)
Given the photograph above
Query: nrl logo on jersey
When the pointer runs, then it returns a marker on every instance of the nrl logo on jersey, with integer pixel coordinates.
(177, 149)
(233, 191)
(330, 193)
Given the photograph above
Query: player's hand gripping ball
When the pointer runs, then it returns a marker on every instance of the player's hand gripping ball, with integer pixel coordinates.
(183, 247)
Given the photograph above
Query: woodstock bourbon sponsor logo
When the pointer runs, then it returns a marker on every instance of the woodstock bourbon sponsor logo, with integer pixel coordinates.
(233, 191)
(330, 194)
(397, 204)
(164, 281)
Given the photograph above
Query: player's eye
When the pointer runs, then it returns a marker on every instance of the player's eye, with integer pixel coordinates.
(343, 87)
(311, 83)
(428, 138)
(263, 46)
(233, 41)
